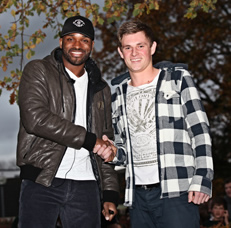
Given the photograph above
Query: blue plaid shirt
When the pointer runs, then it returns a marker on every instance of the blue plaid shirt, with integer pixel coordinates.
(183, 139)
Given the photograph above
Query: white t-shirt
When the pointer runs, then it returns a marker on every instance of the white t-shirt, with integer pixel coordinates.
(76, 164)
(140, 107)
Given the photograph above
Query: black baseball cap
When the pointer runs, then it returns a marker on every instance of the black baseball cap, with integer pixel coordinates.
(78, 24)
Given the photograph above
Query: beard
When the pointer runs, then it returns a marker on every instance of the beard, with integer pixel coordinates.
(76, 61)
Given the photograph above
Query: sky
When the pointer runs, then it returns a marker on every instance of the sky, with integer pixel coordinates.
(9, 122)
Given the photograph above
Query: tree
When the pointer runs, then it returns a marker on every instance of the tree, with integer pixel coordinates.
(204, 43)
(16, 43)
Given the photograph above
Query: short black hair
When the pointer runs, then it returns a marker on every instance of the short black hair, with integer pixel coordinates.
(227, 181)
(219, 201)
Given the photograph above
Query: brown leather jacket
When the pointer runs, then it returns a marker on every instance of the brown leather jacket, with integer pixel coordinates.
(47, 105)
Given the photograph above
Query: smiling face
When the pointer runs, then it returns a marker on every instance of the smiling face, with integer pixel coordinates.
(218, 212)
(137, 51)
(76, 49)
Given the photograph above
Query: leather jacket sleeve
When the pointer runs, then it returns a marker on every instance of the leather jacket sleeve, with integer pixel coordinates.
(102, 125)
(110, 180)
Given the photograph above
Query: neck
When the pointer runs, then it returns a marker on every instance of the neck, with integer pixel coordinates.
(141, 78)
(78, 71)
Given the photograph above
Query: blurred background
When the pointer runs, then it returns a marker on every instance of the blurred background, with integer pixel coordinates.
(186, 31)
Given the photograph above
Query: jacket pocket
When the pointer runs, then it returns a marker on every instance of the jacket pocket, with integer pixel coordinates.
(171, 107)
(169, 94)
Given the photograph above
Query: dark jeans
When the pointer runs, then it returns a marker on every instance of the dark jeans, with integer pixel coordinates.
(149, 211)
(178, 213)
(77, 203)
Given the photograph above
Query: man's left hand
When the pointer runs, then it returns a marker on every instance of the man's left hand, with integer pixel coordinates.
(109, 210)
(197, 197)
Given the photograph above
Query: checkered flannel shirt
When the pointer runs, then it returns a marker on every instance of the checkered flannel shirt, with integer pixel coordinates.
(183, 140)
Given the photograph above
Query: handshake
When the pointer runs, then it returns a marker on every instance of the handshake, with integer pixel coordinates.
(105, 148)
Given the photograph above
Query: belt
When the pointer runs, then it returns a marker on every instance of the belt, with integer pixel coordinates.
(148, 186)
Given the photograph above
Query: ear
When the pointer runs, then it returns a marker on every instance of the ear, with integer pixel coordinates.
(120, 52)
(153, 47)
(60, 42)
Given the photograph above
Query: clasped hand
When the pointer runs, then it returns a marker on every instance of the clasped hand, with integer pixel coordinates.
(105, 149)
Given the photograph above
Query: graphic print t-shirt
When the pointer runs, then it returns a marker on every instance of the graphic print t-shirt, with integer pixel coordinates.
(142, 126)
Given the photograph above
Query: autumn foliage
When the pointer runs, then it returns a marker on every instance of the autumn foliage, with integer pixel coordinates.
(17, 44)
(195, 32)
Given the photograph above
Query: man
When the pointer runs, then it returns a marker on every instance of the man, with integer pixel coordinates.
(162, 136)
(65, 108)
(227, 196)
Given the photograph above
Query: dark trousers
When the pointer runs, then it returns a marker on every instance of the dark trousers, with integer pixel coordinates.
(178, 213)
(147, 209)
(77, 203)
(151, 211)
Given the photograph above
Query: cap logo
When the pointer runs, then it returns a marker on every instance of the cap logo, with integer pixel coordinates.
(78, 23)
